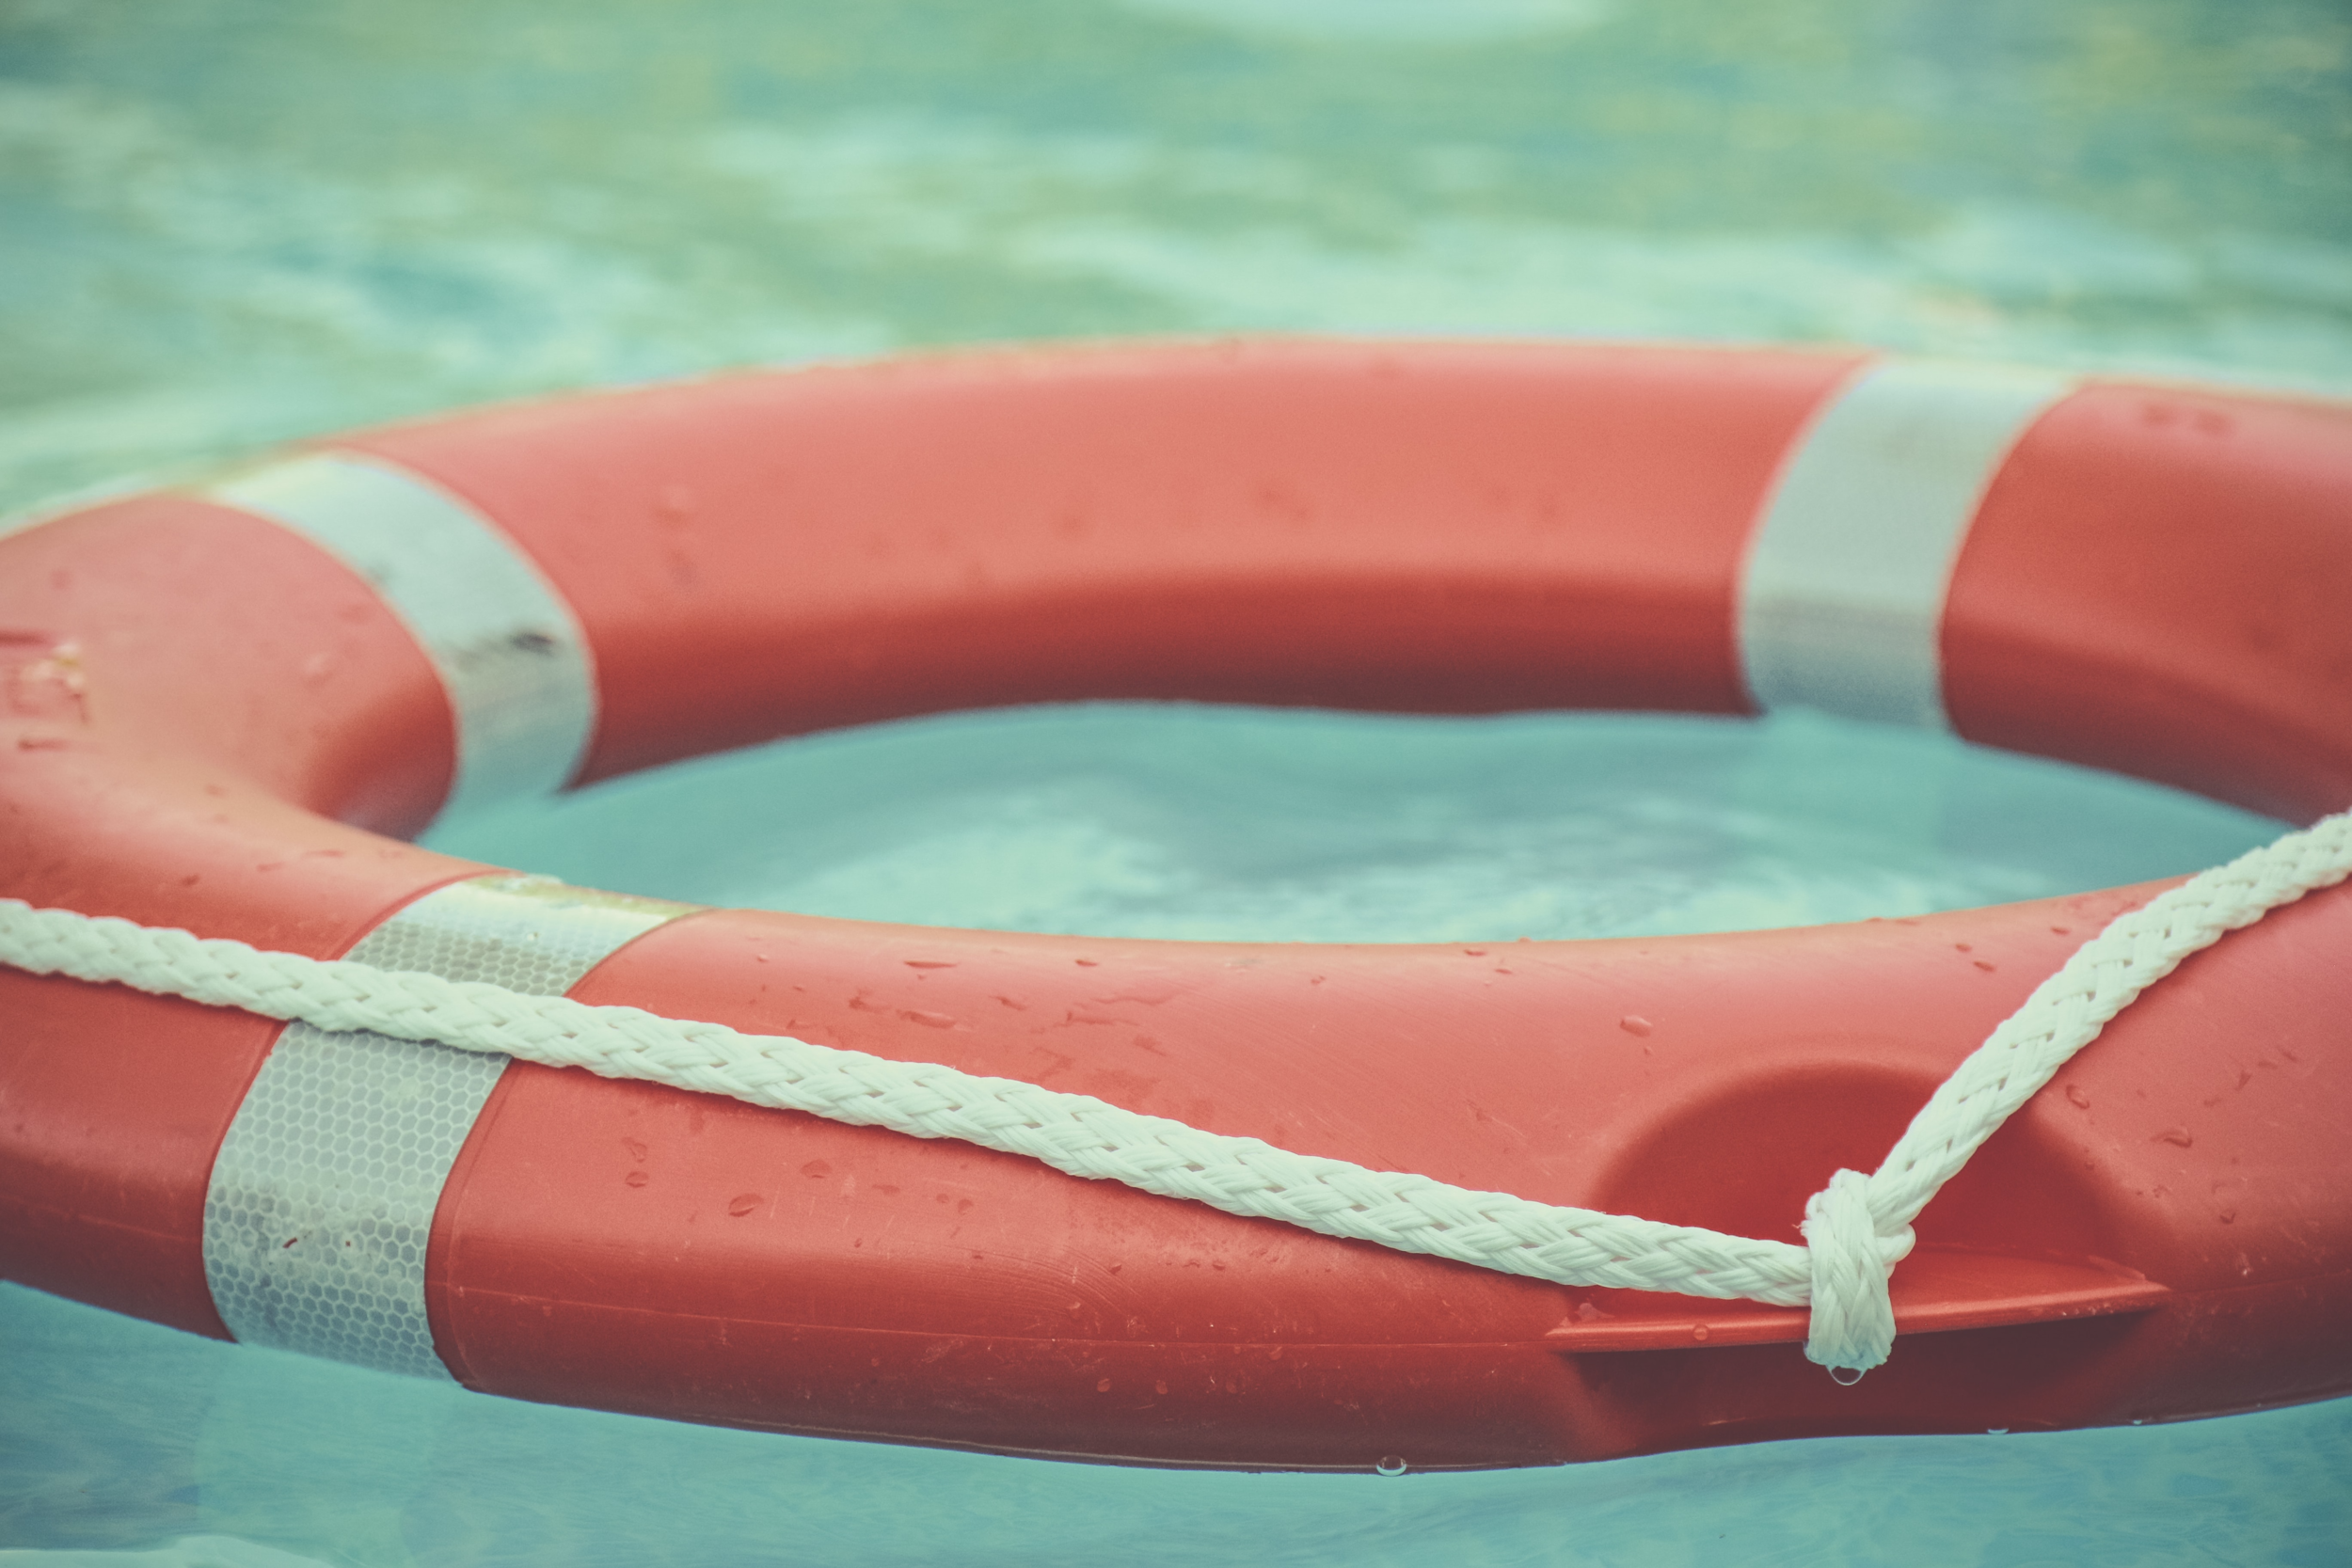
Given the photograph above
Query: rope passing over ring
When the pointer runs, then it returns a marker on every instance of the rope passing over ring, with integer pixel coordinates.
(494, 604)
(1856, 1230)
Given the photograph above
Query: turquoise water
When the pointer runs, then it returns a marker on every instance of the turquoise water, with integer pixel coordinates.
(339, 1466)
(224, 223)
(1215, 824)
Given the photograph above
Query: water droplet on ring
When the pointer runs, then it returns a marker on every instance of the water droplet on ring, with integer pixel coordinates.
(1391, 1464)
(1844, 1377)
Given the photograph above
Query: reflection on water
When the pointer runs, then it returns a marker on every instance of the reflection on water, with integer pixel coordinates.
(1242, 825)
(350, 1468)
(1388, 21)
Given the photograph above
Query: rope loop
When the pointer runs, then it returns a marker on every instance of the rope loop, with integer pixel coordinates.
(1852, 1259)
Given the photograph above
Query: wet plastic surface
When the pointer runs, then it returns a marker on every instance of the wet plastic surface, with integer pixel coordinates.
(1259, 530)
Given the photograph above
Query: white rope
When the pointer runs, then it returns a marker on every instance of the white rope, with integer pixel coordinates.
(1856, 1230)
(1854, 1326)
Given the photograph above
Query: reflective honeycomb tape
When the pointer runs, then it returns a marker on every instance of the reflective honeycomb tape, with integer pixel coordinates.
(1842, 604)
(323, 1193)
(510, 653)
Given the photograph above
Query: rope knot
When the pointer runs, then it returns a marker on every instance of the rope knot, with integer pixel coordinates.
(1853, 1322)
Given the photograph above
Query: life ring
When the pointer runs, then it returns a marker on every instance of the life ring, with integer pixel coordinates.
(227, 703)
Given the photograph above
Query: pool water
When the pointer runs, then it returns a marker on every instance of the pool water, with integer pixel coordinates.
(225, 223)
(1222, 824)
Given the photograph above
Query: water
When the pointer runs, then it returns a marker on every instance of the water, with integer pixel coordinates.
(1234, 824)
(224, 223)
(341, 1468)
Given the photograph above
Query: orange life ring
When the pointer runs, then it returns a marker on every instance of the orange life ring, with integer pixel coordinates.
(225, 705)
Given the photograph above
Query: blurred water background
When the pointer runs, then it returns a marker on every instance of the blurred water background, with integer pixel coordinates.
(230, 221)
(224, 224)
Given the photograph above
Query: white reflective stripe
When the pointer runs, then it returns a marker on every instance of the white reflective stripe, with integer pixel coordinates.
(520, 679)
(322, 1194)
(1841, 605)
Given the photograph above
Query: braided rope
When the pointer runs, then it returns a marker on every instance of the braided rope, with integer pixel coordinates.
(1853, 1326)
(1856, 1230)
